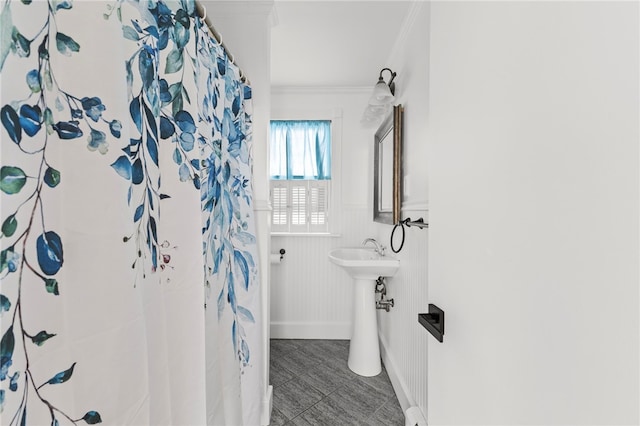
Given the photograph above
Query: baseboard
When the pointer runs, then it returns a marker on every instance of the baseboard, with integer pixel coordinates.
(399, 385)
(310, 330)
(267, 406)
(413, 414)
(413, 417)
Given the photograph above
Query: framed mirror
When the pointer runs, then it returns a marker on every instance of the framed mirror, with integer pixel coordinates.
(387, 168)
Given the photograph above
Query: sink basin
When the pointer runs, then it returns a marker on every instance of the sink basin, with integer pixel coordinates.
(364, 263)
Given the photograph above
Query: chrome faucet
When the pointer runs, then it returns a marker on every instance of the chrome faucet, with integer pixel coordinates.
(378, 247)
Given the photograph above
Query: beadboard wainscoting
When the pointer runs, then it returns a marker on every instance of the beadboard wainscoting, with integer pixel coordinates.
(403, 341)
(311, 298)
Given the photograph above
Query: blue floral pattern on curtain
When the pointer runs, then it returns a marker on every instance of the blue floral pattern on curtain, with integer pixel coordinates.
(226, 194)
(209, 134)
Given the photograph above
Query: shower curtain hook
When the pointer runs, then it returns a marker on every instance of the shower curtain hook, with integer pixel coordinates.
(204, 11)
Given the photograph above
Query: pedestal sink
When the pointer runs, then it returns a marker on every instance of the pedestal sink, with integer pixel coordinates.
(364, 265)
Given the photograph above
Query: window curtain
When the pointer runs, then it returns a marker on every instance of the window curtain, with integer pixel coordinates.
(300, 149)
(128, 253)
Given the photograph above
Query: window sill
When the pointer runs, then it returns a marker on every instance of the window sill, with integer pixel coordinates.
(305, 234)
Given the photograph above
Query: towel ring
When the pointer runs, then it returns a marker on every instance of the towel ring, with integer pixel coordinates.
(401, 225)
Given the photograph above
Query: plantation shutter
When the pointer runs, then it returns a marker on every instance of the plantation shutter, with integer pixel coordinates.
(298, 206)
(319, 206)
(279, 202)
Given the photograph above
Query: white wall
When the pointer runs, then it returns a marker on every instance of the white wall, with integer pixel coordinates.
(403, 340)
(311, 297)
(533, 157)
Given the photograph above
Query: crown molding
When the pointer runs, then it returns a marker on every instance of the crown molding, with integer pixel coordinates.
(334, 114)
(407, 26)
(320, 89)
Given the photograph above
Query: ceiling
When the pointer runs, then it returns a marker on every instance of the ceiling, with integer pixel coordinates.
(333, 43)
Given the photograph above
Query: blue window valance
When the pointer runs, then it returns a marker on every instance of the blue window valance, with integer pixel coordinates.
(300, 149)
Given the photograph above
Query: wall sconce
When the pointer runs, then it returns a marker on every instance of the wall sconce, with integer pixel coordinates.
(381, 100)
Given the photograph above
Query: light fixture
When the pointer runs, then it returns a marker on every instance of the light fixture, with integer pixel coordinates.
(381, 100)
(383, 92)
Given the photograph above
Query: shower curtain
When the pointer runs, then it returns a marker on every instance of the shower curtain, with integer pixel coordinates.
(128, 255)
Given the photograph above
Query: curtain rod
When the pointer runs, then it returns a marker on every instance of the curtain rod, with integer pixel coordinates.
(202, 13)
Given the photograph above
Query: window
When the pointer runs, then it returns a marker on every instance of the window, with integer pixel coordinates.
(300, 170)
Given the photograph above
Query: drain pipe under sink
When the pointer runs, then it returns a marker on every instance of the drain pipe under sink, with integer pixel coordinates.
(381, 289)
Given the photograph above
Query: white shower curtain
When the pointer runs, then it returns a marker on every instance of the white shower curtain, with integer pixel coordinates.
(128, 264)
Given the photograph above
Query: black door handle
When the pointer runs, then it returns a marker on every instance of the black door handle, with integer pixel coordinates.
(433, 321)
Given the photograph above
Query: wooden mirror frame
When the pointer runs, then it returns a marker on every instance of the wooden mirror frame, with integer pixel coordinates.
(393, 123)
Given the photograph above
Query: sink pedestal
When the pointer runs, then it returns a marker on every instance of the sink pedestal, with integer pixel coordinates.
(364, 350)
(364, 266)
